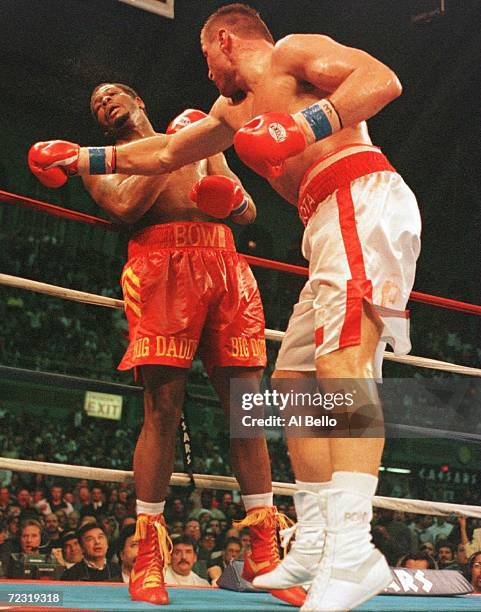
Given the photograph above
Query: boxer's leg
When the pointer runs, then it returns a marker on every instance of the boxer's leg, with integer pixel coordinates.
(245, 452)
(154, 452)
(311, 462)
(153, 465)
(351, 569)
(251, 466)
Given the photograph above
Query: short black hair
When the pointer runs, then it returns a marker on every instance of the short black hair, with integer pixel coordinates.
(421, 556)
(67, 536)
(133, 94)
(445, 544)
(88, 527)
(187, 540)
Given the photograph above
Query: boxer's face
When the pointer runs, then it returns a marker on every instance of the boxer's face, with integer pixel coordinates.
(220, 67)
(113, 107)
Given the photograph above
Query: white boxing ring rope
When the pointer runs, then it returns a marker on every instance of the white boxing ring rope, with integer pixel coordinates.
(271, 334)
(203, 481)
(213, 481)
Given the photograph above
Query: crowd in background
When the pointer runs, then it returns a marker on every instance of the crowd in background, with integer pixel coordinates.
(60, 519)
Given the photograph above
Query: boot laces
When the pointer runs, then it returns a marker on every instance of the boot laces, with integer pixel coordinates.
(161, 548)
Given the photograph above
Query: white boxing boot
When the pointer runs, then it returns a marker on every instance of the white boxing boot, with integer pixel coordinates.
(300, 565)
(352, 570)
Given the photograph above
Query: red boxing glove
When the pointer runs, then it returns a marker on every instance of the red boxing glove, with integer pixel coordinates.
(267, 141)
(191, 115)
(219, 196)
(52, 162)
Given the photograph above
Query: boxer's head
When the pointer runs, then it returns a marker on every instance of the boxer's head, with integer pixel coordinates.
(115, 106)
(219, 40)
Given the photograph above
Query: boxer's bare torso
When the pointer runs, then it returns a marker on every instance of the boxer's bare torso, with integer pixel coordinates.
(171, 203)
(280, 89)
(141, 201)
(287, 77)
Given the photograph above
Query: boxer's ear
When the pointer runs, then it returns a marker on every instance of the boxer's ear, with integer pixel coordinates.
(140, 103)
(225, 41)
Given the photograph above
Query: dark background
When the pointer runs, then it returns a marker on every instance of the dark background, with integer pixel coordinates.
(55, 51)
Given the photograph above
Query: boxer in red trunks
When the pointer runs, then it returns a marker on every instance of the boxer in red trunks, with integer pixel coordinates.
(296, 111)
(186, 289)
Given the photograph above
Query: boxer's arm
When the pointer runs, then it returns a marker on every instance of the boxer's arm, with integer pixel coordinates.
(161, 154)
(217, 164)
(124, 198)
(358, 85)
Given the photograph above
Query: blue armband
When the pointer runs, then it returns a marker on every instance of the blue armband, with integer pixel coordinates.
(101, 160)
(322, 118)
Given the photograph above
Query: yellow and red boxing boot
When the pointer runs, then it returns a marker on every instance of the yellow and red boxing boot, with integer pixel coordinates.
(147, 576)
(264, 523)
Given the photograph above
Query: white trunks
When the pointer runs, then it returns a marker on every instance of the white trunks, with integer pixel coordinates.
(362, 239)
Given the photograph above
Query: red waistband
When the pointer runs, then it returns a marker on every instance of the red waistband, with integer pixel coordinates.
(184, 234)
(354, 162)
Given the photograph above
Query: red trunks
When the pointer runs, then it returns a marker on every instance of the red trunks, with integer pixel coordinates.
(185, 287)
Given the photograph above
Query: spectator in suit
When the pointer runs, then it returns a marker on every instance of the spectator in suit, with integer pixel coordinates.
(71, 549)
(94, 567)
(97, 505)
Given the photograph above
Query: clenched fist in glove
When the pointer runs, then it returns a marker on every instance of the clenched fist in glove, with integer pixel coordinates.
(219, 196)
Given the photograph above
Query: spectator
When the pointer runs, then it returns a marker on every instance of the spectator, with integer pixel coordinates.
(175, 511)
(420, 560)
(214, 527)
(5, 549)
(119, 512)
(4, 499)
(127, 549)
(56, 500)
(192, 530)
(183, 558)
(207, 545)
(94, 566)
(474, 565)
(27, 509)
(71, 549)
(83, 495)
(428, 547)
(62, 516)
(53, 530)
(88, 518)
(73, 520)
(232, 550)
(13, 524)
(30, 544)
(130, 519)
(97, 506)
(439, 528)
(177, 528)
(462, 558)
(245, 538)
(31, 538)
(473, 545)
(445, 557)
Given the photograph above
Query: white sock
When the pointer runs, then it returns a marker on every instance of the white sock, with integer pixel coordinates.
(355, 482)
(152, 508)
(313, 487)
(255, 501)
